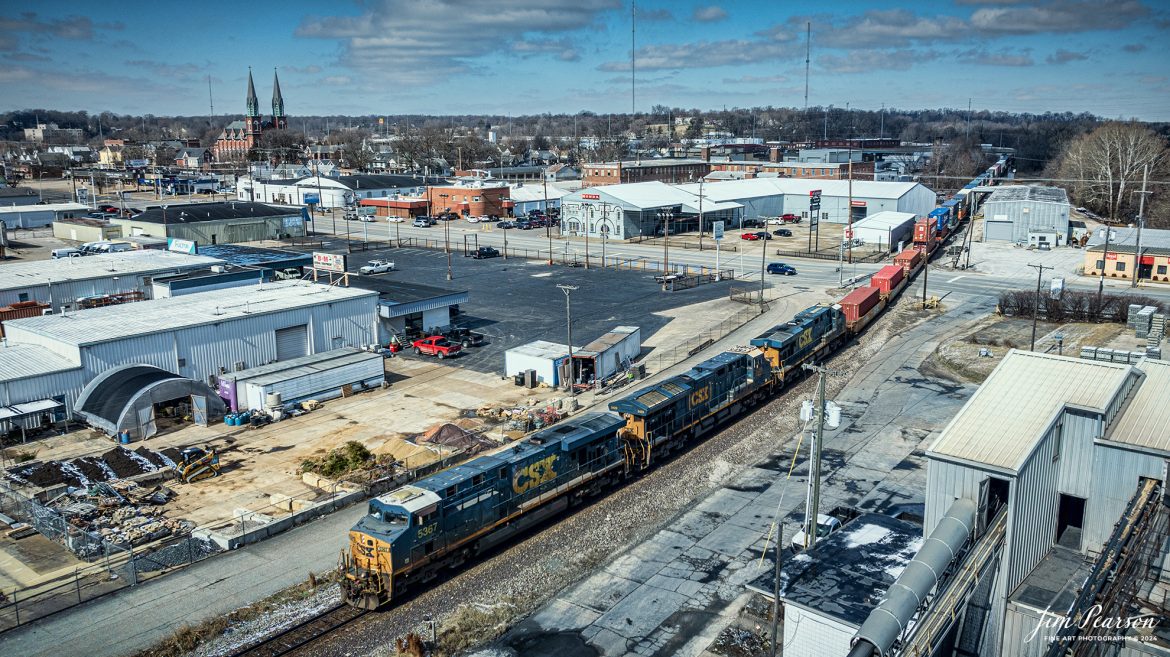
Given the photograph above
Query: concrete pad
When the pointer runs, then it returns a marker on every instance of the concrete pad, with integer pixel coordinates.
(696, 523)
(730, 540)
(641, 612)
(560, 615)
(610, 644)
(601, 592)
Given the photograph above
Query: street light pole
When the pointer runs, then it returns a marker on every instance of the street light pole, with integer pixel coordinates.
(568, 289)
(763, 266)
(588, 220)
(446, 233)
(1036, 305)
(701, 181)
(665, 240)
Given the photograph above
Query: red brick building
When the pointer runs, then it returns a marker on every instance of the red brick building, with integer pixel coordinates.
(468, 200)
(816, 170)
(596, 174)
(239, 137)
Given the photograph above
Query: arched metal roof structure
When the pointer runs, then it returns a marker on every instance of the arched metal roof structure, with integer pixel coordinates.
(121, 400)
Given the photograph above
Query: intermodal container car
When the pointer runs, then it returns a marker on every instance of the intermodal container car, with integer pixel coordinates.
(858, 303)
(888, 278)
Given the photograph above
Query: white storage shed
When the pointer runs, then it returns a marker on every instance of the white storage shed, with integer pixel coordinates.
(611, 353)
(322, 376)
(547, 358)
(885, 230)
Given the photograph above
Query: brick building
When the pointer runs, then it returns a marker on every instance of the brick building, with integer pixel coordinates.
(1119, 261)
(469, 199)
(596, 174)
(239, 137)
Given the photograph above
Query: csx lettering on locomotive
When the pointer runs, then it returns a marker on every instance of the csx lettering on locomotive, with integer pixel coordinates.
(534, 474)
(701, 395)
(806, 338)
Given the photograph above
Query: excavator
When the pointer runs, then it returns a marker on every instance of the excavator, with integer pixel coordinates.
(197, 463)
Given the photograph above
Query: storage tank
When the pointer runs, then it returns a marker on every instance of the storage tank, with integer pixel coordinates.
(858, 303)
(272, 400)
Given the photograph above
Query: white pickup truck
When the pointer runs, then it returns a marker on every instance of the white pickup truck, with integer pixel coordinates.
(377, 267)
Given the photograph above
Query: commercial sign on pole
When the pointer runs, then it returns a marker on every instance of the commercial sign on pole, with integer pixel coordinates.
(334, 262)
(814, 201)
(312, 199)
(717, 230)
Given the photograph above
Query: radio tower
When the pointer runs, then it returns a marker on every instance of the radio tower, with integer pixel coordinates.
(633, 18)
(210, 100)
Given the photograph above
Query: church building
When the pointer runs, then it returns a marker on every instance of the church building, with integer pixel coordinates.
(239, 137)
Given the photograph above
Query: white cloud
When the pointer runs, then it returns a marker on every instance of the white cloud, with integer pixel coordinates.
(999, 58)
(709, 14)
(1062, 56)
(890, 60)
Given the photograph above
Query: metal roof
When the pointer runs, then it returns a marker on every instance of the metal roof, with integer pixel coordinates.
(239, 254)
(21, 361)
(17, 192)
(293, 363)
(763, 187)
(1145, 420)
(219, 211)
(542, 349)
(22, 275)
(46, 207)
(610, 339)
(1152, 238)
(885, 219)
(169, 314)
(305, 369)
(1029, 193)
(1003, 421)
(535, 192)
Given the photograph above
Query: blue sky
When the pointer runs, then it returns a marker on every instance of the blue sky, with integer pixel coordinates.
(532, 56)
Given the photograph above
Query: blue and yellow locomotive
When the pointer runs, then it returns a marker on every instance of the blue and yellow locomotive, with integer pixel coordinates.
(410, 534)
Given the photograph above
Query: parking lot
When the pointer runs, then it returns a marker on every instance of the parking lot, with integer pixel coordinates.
(517, 301)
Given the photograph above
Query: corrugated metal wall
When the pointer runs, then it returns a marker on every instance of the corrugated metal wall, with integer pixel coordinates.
(1033, 505)
(369, 371)
(1019, 624)
(1041, 216)
(1076, 452)
(920, 200)
(947, 482)
(809, 634)
(68, 383)
(1114, 479)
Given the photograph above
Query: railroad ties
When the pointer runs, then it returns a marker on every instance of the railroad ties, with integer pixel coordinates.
(304, 633)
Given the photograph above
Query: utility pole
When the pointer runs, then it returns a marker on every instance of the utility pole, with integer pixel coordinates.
(568, 289)
(701, 214)
(925, 271)
(967, 136)
(807, 50)
(1104, 262)
(665, 241)
(813, 502)
(1036, 306)
(763, 264)
(779, 557)
(547, 219)
(1137, 261)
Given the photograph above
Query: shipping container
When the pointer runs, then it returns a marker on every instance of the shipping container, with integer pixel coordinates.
(858, 303)
(923, 231)
(908, 260)
(21, 309)
(888, 279)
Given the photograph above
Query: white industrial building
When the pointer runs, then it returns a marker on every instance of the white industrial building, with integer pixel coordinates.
(534, 196)
(70, 356)
(61, 282)
(36, 216)
(547, 359)
(1028, 214)
(332, 192)
(642, 209)
(1062, 445)
(885, 230)
(322, 376)
(772, 197)
(608, 355)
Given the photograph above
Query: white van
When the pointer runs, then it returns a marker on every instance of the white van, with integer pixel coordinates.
(66, 253)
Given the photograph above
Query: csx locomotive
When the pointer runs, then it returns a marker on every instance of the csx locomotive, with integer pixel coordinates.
(409, 536)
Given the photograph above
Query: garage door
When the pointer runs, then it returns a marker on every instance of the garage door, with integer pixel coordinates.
(292, 342)
(998, 231)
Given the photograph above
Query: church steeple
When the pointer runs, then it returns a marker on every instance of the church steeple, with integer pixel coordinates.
(279, 120)
(253, 102)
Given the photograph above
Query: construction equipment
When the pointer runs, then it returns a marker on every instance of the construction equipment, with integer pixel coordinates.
(197, 463)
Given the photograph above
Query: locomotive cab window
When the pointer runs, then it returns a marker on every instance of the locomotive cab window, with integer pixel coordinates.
(395, 518)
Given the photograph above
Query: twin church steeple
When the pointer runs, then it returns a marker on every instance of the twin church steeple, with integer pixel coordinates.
(253, 119)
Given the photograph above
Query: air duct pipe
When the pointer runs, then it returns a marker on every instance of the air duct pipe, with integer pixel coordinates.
(890, 618)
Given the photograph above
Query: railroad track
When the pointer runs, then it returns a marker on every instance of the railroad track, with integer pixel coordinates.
(303, 633)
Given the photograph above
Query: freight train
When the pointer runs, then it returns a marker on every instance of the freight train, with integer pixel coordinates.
(414, 534)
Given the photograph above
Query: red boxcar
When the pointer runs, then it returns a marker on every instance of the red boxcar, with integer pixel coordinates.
(888, 278)
(858, 303)
(908, 260)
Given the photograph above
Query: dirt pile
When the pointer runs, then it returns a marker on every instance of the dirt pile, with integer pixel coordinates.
(117, 463)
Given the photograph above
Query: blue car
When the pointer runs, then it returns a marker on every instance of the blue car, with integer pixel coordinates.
(781, 268)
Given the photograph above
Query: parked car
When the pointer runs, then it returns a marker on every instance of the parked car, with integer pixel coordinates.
(781, 269)
(464, 337)
(825, 525)
(423, 222)
(485, 252)
(753, 223)
(395, 220)
(790, 218)
(507, 224)
(782, 232)
(751, 237)
(524, 224)
(436, 345)
(109, 208)
(368, 218)
(377, 267)
(66, 253)
(763, 235)
(775, 220)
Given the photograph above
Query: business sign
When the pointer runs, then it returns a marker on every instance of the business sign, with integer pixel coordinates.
(367, 211)
(1111, 256)
(1057, 287)
(717, 229)
(293, 222)
(848, 233)
(182, 246)
(312, 199)
(858, 204)
(82, 194)
(814, 202)
(329, 262)
(138, 164)
(591, 197)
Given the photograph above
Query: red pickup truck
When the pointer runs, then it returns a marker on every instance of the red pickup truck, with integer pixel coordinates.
(436, 345)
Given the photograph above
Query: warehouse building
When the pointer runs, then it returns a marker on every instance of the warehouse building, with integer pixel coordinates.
(70, 357)
(410, 308)
(886, 230)
(1122, 256)
(84, 229)
(333, 191)
(624, 212)
(323, 376)
(526, 198)
(1027, 214)
(1063, 460)
(14, 196)
(771, 197)
(60, 283)
(215, 223)
(37, 216)
(547, 360)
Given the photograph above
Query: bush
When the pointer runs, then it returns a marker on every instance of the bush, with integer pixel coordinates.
(1072, 306)
(347, 458)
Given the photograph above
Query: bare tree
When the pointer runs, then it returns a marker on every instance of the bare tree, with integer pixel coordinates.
(1106, 165)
